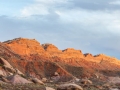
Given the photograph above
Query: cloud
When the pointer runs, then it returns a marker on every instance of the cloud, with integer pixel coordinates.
(91, 26)
(115, 2)
(42, 7)
(34, 10)
(95, 4)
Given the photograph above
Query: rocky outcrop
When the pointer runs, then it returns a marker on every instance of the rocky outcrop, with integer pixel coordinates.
(4, 63)
(103, 57)
(23, 46)
(52, 50)
(72, 53)
(7, 68)
(88, 55)
(37, 60)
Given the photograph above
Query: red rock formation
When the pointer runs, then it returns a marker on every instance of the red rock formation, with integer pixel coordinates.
(72, 53)
(52, 50)
(43, 60)
(24, 46)
(105, 58)
(34, 65)
(32, 48)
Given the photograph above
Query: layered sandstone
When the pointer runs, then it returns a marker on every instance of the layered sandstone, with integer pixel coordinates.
(52, 50)
(43, 60)
(23, 46)
(105, 58)
(72, 53)
(32, 48)
(36, 67)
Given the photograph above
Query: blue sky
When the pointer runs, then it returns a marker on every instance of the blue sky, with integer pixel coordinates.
(89, 25)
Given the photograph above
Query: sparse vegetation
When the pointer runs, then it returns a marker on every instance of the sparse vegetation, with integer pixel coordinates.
(22, 87)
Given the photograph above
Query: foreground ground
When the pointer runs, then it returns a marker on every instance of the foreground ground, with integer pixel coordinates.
(54, 86)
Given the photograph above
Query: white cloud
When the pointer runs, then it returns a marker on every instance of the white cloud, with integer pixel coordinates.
(41, 7)
(115, 2)
(51, 1)
(102, 21)
(36, 9)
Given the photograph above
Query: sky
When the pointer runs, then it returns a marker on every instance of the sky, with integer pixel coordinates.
(92, 26)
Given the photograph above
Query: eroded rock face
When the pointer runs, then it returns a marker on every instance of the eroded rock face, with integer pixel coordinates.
(52, 50)
(29, 56)
(88, 55)
(105, 57)
(23, 46)
(72, 53)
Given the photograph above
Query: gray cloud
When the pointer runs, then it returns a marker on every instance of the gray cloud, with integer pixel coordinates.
(95, 4)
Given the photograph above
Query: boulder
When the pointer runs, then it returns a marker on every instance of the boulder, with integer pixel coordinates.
(56, 74)
(69, 86)
(36, 80)
(4, 62)
(76, 79)
(114, 80)
(4, 80)
(6, 65)
(44, 80)
(16, 79)
(55, 78)
(49, 88)
(19, 72)
(85, 81)
(3, 73)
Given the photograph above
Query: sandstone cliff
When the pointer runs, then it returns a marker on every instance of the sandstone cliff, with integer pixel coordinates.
(42, 60)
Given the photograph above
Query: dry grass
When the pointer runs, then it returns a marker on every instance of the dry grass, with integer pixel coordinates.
(22, 87)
